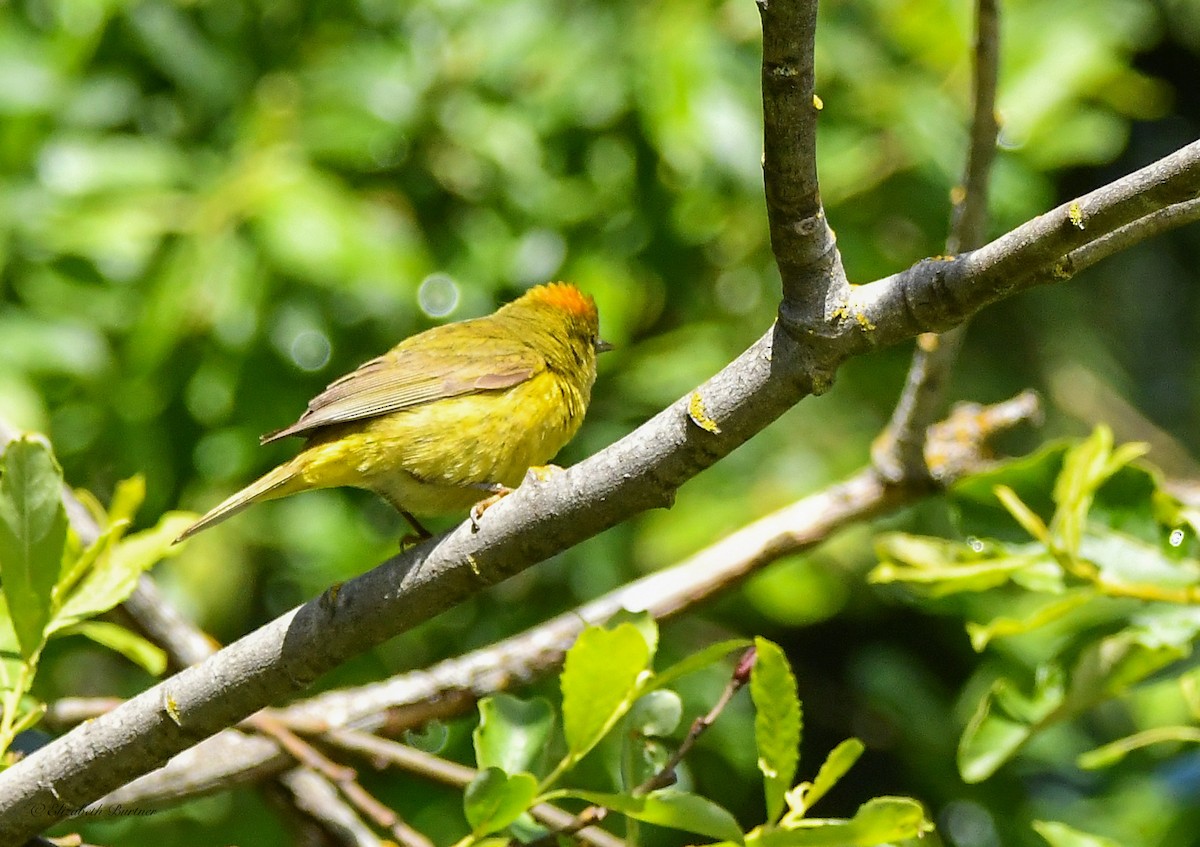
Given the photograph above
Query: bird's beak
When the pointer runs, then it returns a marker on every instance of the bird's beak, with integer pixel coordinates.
(602, 346)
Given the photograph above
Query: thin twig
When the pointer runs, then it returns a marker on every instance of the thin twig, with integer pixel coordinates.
(666, 775)
(899, 452)
(383, 751)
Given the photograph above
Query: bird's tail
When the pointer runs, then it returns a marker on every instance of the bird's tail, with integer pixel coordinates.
(276, 483)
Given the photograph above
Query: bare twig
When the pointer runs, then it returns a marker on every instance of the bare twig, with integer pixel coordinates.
(899, 451)
(383, 751)
(938, 293)
(666, 775)
(1155, 223)
(320, 800)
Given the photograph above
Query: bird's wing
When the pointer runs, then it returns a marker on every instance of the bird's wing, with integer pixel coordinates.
(407, 377)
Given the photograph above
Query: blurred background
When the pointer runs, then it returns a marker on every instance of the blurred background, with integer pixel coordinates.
(209, 209)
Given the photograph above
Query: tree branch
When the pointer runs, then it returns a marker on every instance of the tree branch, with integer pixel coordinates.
(639, 472)
(451, 687)
(900, 450)
(936, 294)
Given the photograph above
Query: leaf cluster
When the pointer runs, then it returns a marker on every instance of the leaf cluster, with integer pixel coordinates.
(54, 585)
(609, 692)
(1081, 570)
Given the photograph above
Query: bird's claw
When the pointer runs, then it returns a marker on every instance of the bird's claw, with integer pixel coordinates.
(499, 492)
(536, 474)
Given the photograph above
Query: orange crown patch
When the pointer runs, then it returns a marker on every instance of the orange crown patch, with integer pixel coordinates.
(563, 295)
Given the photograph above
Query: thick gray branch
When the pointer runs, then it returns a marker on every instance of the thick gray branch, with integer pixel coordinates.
(936, 294)
(451, 687)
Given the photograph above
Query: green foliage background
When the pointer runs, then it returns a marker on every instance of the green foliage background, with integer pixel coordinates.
(210, 209)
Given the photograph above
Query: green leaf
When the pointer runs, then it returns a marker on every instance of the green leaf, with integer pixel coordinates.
(881, 820)
(777, 723)
(1060, 835)
(512, 733)
(953, 578)
(129, 644)
(1031, 477)
(600, 682)
(670, 808)
(127, 499)
(115, 575)
(10, 650)
(645, 623)
(33, 532)
(710, 655)
(835, 766)
(656, 713)
(75, 570)
(983, 634)
(1004, 720)
(431, 737)
(495, 799)
(1110, 754)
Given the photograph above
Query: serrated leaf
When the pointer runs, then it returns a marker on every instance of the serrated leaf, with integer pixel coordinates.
(33, 532)
(710, 655)
(494, 799)
(512, 733)
(600, 682)
(114, 576)
(777, 723)
(1060, 835)
(879, 821)
(670, 808)
(132, 646)
(645, 623)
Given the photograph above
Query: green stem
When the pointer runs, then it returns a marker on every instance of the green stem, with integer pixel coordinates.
(12, 702)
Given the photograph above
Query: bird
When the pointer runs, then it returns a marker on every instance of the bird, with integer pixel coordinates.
(450, 418)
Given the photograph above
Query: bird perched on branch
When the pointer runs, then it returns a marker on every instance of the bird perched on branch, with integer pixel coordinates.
(449, 416)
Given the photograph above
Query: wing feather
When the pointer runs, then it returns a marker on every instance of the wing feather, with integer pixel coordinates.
(408, 376)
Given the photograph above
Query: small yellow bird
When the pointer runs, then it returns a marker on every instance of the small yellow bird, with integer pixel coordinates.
(449, 415)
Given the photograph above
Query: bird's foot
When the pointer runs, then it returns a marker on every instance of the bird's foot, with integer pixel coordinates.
(499, 492)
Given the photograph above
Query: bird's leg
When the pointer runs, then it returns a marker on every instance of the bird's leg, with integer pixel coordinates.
(538, 473)
(497, 492)
(419, 532)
